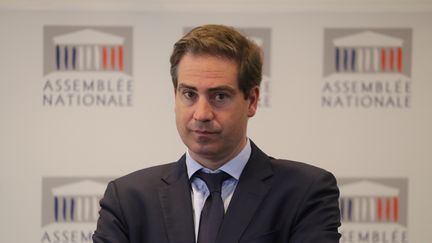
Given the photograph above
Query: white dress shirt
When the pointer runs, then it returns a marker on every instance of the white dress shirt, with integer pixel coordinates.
(200, 192)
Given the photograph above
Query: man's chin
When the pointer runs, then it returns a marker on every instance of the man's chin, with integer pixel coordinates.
(205, 150)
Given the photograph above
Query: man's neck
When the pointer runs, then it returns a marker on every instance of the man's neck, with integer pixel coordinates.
(214, 163)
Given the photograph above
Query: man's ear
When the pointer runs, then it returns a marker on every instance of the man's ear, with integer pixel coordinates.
(254, 95)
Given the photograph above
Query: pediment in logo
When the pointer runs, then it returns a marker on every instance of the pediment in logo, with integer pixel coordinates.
(368, 39)
(89, 37)
(367, 188)
(82, 188)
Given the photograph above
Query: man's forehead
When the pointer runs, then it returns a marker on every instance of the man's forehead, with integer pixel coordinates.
(207, 72)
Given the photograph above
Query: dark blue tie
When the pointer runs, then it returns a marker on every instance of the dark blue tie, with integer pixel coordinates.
(213, 210)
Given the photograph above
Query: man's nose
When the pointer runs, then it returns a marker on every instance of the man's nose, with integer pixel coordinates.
(203, 110)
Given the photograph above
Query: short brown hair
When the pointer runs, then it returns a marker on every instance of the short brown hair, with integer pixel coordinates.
(225, 42)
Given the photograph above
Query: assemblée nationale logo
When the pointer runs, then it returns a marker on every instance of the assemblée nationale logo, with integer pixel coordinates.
(367, 68)
(373, 210)
(70, 208)
(87, 66)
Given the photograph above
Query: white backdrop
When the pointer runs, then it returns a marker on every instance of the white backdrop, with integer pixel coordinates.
(46, 146)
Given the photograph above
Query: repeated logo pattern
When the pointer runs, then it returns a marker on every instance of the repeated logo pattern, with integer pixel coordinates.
(371, 201)
(71, 200)
(367, 68)
(87, 66)
(89, 50)
(72, 204)
(367, 201)
(366, 51)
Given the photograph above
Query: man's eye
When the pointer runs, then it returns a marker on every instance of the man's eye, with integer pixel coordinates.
(220, 97)
(189, 95)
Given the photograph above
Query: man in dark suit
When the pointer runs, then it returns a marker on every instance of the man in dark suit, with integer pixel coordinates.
(224, 189)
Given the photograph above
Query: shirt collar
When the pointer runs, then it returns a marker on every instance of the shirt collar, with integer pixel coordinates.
(234, 167)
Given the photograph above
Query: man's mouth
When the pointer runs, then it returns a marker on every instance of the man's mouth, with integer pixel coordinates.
(204, 132)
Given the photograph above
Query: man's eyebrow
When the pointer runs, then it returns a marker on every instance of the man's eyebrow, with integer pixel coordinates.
(223, 88)
(211, 90)
(185, 86)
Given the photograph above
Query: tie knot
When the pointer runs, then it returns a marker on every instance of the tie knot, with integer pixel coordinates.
(213, 180)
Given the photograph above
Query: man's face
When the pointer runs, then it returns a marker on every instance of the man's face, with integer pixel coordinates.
(211, 111)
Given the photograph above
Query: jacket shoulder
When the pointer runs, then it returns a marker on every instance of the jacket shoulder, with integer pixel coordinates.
(145, 178)
(297, 169)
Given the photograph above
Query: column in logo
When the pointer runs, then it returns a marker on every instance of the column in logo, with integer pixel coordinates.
(77, 202)
(89, 50)
(367, 201)
(368, 52)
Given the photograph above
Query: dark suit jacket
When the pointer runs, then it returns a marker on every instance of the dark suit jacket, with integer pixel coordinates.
(275, 201)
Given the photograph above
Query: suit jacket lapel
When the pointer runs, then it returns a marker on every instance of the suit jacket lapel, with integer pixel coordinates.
(176, 204)
(254, 183)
